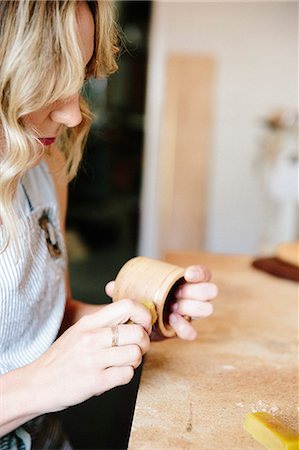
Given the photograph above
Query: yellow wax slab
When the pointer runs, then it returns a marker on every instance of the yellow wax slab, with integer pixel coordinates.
(270, 432)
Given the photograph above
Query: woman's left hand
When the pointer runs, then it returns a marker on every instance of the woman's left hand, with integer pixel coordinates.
(192, 299)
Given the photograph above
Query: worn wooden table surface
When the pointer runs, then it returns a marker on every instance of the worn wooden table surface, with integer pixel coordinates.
(195, 395)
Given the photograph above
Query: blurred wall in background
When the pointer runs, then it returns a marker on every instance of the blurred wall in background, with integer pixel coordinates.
(255, 50)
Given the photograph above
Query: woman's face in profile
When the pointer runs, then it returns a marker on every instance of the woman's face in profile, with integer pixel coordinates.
(48, 121)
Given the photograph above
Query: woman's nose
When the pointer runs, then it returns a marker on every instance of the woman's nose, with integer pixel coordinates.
(68, 113)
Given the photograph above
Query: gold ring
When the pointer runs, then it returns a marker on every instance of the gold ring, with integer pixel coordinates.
(115, 336)
(188, 318)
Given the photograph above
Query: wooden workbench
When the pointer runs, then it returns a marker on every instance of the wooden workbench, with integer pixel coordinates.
(194, 395)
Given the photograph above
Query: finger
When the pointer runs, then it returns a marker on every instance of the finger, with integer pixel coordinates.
(197, 291)
(109, 288)
(123, 335)
(197, 274)
(130, 355)
(192, 308)
(127, 335)
(182, 327)
(117, 313)
(116, 376)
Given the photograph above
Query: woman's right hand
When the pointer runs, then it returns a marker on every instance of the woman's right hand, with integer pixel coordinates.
(82, 362)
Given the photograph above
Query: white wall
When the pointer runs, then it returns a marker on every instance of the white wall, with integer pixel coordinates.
(255, 46)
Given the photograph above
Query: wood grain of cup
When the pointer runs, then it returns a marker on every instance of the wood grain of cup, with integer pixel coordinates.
(144, 279)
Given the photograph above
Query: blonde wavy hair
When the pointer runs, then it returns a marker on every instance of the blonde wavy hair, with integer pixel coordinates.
(41, 63)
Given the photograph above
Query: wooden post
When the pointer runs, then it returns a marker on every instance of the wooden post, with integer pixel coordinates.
(184, 153)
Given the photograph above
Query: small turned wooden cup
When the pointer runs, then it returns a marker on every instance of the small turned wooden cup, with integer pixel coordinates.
(148, 280)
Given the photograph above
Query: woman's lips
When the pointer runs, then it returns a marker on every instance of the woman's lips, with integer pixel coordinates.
(47, 140)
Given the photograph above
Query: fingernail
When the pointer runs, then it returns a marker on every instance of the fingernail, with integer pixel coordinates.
(192, 336)
(179, 293)
(174, 307)
(212, 291)
(173, 318)
(193, 274)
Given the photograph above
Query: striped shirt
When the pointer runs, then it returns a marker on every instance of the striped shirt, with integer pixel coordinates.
(32, 283)
(32, 289)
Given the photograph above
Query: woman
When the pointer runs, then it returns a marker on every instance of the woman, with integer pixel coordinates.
(47, 49)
